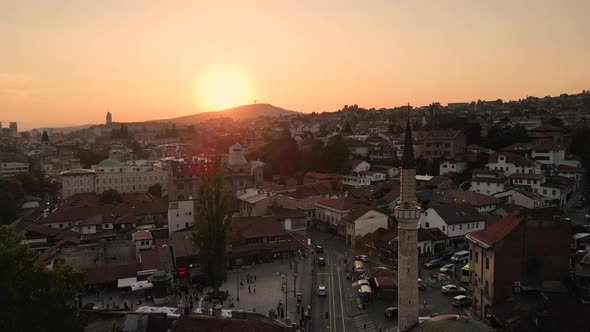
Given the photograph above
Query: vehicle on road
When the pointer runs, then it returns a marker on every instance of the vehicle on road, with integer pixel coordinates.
(453, 290)
(319, 249)
(391, 312)
(445, 255)
(465, 276)
(322, 290)
(460, 256)
(449, 268)
(362, 258)
(421, 284)
(321, 261)
(434, 263)
(461, 301)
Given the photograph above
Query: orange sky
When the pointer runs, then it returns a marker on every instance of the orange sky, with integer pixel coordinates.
(70, 61)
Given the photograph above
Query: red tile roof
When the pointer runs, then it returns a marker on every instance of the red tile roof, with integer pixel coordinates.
(141, 236)
(447, 196)
(255, 227)
(341, 204)
(511, 158)
(546, 146)
(497, 231)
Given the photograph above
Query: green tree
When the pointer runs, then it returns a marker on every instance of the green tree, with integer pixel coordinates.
(110, 196)
(212, 223)
(34, 298)
(155, 190)
(11, 198)
(30, 183)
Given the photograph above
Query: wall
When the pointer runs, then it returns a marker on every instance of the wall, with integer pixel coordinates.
(486, 188)
(180, 215)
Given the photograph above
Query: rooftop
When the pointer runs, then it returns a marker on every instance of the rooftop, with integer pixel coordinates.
(496, 231)
(448, 196)
(454, 214)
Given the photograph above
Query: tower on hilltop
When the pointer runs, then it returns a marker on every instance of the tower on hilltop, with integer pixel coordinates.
(407, 215)
(109, 118)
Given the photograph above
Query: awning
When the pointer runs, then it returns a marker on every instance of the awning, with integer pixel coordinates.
(141, 285)
(126, 282)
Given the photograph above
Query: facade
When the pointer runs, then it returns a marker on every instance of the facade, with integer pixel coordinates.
(526, 199)
(487, 182)
(452, 166)
(360, 166)
(518, 249)
(407, 215)
(180, 215)
(511, 163)
(361, 222)
(11, 168)
(328, 213)
(443, 144)
(254, 202)
(548, 153)
(454, 220)
(356, 181)
(77, 181)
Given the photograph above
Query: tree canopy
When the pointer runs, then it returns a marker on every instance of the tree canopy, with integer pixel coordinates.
(212, 224)
(33, 297)
(155, 190)
(110, 196)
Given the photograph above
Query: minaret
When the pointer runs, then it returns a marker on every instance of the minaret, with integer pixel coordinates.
(407, 215)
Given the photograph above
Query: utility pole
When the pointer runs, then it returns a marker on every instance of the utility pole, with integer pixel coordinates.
(238, 286)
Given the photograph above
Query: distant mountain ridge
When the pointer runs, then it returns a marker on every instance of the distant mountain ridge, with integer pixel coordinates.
(237, 113)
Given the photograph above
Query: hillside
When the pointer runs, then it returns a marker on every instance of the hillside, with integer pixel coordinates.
(236, 113)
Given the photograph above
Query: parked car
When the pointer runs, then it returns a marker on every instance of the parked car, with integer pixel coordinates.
(421, 284)
(391, 312)
(434, 263)
(460, 256)
(445, 255)
(461, 301)
(449, 268)
(319, 249)
(453, 290)
(321, 261)
(322, 290)
(362, 258)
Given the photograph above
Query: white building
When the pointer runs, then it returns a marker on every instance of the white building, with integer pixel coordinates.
(527, 199)
(455, 220)
(180, 215)
(77, 181)
(372, 176)
(143, 240)
(487, 182)
(452, 166)
(356, 181)
(361, 222)
(511, 163)
(11, 168)
(549, 153)
(131, 176)
(360, 166)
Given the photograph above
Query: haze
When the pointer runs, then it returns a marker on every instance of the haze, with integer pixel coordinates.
(71, 61)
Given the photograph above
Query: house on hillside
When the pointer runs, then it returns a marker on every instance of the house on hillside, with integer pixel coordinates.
(454, 220)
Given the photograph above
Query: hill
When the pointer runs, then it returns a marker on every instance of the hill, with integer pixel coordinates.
(236, 113)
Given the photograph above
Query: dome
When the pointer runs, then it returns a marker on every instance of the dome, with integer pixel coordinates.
(109, 162)
(452, 323)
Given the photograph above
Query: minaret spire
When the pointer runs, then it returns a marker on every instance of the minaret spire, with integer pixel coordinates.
(408, 157)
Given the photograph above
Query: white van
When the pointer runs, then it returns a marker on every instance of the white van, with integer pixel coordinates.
(460, 256)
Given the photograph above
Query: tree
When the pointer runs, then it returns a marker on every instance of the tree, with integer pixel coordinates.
(45, 137)
(26, 287)
(555, 122)
(11, 197)
(110, 196)
(212, 223)
(155, 190)
(29, 182)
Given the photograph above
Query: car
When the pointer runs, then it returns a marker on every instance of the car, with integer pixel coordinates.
(391, 312)
(461, 301)
(434, 263)
(322, 290)
(421, 284)
(321, 261)
(362, 258)
(453, 290)
(319, 249)
(446, 255)
(448, 268)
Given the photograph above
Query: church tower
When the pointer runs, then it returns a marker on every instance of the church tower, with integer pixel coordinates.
(407, 215)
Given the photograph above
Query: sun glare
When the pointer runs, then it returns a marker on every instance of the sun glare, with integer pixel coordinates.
(223, 89)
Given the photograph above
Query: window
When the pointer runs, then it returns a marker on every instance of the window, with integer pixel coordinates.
(427, 225)
(553, 192)
(487, 263)
(426, 213)
(485, 287)
(444, 228)
(453, 228)
(544, 191)
(461, 227)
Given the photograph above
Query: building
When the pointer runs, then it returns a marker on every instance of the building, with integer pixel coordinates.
(109, 118)
(240, 173)
(407, 215)
(143, 240)
(518, 250)
(443, 144)
(181, 215)
(360, 166)
(11, 168)
(454, 220)
(360, 222)
(550, 133)
(184, 179)
(314, 177)
(254, 202)
(329, 212)
(511, 163)
(523, 198)
(483, 203)
(487, 182)
(124, 177)
(452, 165)
(13, 129)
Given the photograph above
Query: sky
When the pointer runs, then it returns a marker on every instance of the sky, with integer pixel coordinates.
(69, 62)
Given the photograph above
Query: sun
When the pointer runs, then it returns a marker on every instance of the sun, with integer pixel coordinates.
(223, 89)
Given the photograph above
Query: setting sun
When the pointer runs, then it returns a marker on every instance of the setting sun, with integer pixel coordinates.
(223, 89)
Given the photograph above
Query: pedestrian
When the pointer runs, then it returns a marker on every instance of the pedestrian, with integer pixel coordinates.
(249, 289)
(254, 288)
(242, 284)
